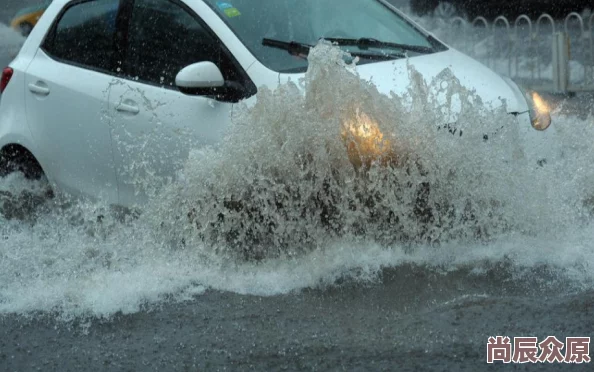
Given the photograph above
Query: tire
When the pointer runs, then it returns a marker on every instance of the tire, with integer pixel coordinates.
(16, 160)
(22, 204)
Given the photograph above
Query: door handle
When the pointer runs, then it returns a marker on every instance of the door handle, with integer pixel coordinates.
(39, 88)
(128, 108)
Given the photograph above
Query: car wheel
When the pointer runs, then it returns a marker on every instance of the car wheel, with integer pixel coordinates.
(25, 28)
(22, 203)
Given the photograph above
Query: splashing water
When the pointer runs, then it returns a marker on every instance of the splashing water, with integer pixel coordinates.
(295, 188)
(286, 180)
(11, 42)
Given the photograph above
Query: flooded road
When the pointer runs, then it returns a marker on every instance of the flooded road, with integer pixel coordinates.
(409, 321)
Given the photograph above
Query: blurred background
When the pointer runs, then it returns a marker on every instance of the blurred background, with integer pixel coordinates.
(9, 8)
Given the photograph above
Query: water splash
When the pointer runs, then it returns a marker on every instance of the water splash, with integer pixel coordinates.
(288, 181)
(11, 42)
(291, 195)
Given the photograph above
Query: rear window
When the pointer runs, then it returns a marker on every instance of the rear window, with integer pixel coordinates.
(85, 35)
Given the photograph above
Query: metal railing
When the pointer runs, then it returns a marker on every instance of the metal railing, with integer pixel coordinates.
(545, 54)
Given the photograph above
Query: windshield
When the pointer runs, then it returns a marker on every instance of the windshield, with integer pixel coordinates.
(306, 21)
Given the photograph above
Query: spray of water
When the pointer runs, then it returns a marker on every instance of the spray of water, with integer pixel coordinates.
(296, 197)
(341, 160)
(11, 42)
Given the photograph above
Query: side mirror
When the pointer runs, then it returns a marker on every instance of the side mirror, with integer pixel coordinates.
(205, 79)
(199, 75)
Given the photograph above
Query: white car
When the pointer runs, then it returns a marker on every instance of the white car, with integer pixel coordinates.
(96, 77)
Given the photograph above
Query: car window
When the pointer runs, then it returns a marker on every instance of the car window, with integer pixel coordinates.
(85, 35)
(163, 38)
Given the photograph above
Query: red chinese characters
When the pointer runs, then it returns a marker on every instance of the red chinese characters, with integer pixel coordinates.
(551, 350)
(499, 348)
(529, 350)
(577, 350)
(525, 349)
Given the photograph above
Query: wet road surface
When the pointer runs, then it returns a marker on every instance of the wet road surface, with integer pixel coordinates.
(394, 325)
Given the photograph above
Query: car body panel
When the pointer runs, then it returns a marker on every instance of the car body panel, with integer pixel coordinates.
(70, 127)
(151, 145)
(13, 121)
(169, 123)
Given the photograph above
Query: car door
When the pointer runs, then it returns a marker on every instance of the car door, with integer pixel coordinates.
(67, 98)
(155, 125)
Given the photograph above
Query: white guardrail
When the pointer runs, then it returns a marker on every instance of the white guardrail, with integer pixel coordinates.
(544, 54)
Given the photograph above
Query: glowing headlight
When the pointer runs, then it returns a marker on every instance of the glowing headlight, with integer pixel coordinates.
(363, 138)
(540, 112)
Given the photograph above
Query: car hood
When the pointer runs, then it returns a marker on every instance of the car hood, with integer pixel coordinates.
(494, 90)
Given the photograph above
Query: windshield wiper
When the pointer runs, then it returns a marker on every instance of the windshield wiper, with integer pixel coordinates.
(366, 42)
(302, 49)
(293, 47)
